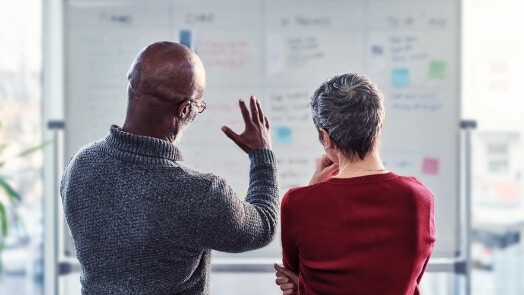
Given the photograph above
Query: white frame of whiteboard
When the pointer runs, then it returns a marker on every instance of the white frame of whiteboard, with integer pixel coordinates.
(51, 95)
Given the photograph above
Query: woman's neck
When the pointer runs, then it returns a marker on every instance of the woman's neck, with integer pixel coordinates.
(371, 164)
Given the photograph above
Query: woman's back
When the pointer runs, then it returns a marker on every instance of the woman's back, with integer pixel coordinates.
(363, 235)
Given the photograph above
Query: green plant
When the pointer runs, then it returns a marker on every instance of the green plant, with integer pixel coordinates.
(13, 197)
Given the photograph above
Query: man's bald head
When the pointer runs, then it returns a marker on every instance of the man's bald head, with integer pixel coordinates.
(163, 79)
(167, 71)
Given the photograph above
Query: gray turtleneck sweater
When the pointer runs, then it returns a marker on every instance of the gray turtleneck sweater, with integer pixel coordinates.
(144, 224)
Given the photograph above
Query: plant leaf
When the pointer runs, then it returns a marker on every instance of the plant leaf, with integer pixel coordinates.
(3, 220)
(34, 149)
(11, 193)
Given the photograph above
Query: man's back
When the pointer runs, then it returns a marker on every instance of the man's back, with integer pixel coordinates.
(143, 224)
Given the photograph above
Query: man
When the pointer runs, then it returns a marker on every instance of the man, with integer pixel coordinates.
(141, 222)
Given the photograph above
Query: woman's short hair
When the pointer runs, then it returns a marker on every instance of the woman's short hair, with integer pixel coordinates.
(351, 109)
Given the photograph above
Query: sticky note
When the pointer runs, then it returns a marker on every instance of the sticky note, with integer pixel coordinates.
(186, 38)
(403, 164)
(275, 54)
(430, 166)
(400, 77)
(437, 69)
(377, 50)
(508, 192)
(377, 59)
(283, 134)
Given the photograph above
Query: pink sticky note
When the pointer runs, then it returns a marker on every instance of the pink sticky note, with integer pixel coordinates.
(430, 166)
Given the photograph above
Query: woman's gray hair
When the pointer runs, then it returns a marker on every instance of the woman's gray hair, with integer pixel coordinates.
(351, 109)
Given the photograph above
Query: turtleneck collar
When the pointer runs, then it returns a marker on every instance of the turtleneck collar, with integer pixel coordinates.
(140, 149)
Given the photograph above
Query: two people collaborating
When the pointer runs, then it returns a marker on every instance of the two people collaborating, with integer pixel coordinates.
(143, 223)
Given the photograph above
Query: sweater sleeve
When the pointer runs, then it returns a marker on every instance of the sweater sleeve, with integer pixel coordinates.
(289, 250)
(229, 224)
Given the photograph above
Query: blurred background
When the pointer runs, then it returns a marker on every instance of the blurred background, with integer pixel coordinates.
(492, 67)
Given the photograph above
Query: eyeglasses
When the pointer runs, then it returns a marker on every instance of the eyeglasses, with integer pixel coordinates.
(201, 107)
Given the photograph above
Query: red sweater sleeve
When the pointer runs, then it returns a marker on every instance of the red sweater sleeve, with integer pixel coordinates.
(289, 249)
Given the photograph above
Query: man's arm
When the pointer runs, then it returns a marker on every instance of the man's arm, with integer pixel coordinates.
(229, 224)
(251, 224)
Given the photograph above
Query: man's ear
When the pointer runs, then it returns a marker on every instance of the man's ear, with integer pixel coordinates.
(184, 109)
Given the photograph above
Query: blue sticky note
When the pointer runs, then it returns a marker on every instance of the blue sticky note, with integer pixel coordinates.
(186, 38)
(283, 134)
(400, 77)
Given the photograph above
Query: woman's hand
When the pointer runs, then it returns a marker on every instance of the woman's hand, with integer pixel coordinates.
(326, 169)
(286, 280)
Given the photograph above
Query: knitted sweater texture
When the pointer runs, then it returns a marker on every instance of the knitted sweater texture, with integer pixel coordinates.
(144, 224)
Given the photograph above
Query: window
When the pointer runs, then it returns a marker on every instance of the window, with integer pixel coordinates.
(498, 158)
(20, 116)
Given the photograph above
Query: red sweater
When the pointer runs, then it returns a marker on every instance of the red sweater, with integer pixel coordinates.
(364, 235)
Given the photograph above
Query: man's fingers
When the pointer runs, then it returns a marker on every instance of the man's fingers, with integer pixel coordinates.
(261, 117)
(254, 110)
(230, 133)
(266, 122)
(234, 137)
(244, 111)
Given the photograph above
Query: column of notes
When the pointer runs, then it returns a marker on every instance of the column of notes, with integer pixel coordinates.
(306, 44)
(229, 47)
(102, 43)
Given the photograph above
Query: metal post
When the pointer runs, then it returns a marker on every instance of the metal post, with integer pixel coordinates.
(51, 215)
(52, 108)
(467, 126)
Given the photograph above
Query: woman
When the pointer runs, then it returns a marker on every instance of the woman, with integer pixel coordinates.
(357, 228)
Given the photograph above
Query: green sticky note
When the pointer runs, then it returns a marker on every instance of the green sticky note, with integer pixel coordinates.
(437, 69)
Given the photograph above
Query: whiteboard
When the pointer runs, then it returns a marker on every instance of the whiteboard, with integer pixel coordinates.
(281, 51)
